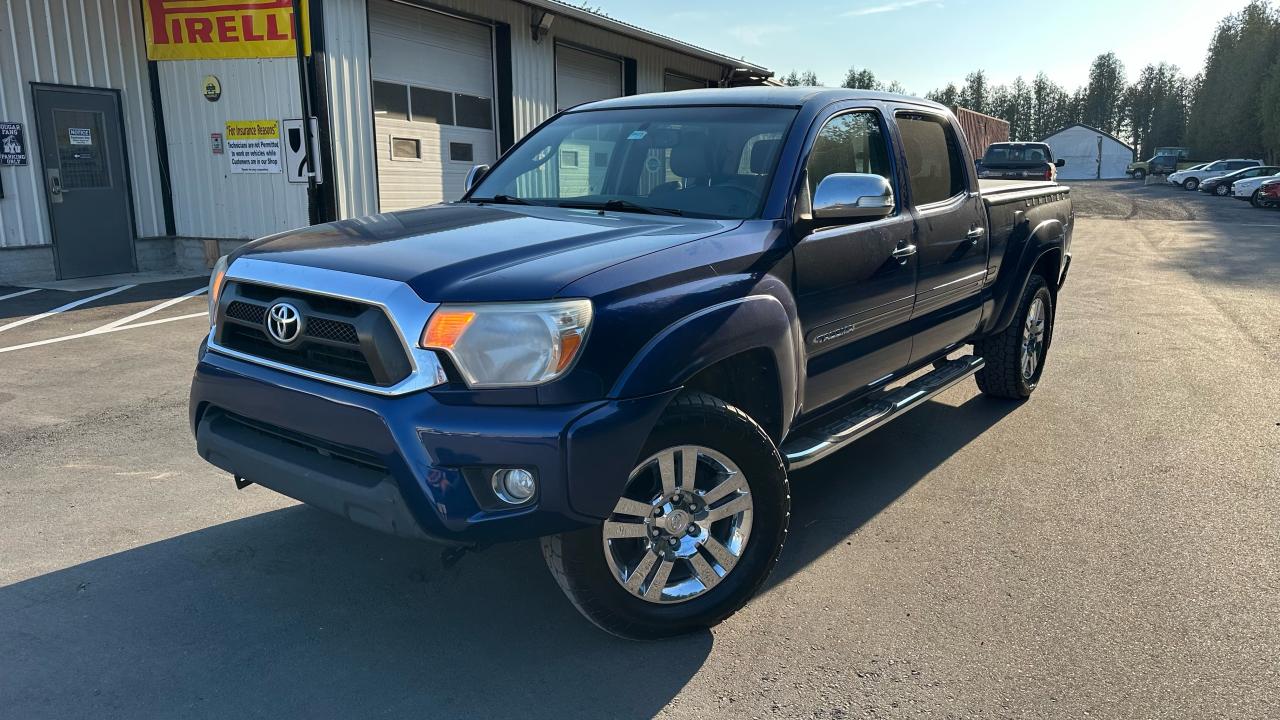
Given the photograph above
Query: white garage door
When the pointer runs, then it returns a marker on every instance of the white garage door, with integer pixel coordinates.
(432, 103)
(583, 77)
(672, 82)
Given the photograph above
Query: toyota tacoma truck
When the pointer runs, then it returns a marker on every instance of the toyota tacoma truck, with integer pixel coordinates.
(630, 331)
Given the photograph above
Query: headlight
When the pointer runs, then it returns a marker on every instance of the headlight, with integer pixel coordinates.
(215, 287)
(510, 344)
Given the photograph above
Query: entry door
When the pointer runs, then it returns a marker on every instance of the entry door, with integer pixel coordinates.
(856, 282)
(86, 186)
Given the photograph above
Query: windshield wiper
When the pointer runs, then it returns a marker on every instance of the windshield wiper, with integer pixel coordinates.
(622, 206)
(501, 200)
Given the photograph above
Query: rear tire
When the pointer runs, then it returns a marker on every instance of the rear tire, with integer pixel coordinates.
(1222, 190)
(1015, 357)
(1139, 174)
(643, 573)
(1190, 184)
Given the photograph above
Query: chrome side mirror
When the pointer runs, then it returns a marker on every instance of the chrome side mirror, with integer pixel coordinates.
(852, 196)
(473, 176)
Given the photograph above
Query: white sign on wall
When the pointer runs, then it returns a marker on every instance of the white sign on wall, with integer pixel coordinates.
(295, 157)
(253, 146)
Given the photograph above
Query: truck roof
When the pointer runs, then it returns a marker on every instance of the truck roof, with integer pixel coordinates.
(752, 95)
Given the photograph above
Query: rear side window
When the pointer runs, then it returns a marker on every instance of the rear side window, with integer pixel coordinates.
(935, 163)
(849, 143)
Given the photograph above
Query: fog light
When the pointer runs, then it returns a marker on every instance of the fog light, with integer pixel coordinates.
(514, 486)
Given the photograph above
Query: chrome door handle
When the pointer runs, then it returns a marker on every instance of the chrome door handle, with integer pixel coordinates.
(975, 234)
(904, 252)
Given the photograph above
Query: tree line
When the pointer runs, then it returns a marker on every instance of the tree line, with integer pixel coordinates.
(1231, 108)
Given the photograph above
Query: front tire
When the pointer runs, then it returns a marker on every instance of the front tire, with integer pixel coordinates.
(695, 534)
(1015, 357)
(1139, 174)
(1190, 184)
(1222, 190)
(1256, 199)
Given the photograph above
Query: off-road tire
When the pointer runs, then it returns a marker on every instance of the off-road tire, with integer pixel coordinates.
(1002, 375)
(577, 561)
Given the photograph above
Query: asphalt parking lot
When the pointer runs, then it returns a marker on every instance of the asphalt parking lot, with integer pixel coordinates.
(1109, 549)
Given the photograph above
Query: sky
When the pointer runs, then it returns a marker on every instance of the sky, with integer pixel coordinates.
(924, 44)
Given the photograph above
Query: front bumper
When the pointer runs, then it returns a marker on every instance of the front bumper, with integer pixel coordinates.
(412, 465)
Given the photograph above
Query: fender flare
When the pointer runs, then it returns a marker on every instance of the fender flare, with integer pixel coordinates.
(708, 336)
(1047, 237)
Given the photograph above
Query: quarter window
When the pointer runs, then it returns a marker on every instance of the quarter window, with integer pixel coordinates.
(935, 162)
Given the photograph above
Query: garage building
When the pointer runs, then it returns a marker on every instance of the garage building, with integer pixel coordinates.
(1091, 154)
(131, 114)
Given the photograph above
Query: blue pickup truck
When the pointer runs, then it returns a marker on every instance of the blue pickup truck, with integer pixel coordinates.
(629, 331)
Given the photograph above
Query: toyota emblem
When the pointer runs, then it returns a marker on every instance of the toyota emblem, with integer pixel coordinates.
(284, 323)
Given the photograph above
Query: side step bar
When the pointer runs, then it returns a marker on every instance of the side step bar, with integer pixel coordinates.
(812, 444)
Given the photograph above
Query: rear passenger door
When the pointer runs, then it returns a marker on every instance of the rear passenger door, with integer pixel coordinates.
(951, 231)
(855, 281)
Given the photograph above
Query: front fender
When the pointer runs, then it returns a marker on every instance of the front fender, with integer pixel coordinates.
(1015, 272)
(701, 339)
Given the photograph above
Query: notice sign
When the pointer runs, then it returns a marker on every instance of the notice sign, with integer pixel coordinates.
(13, 148)
(208, 29)
(253, 146)
(80, 136)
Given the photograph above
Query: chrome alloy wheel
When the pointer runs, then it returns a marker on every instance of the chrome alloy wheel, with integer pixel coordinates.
(681, 525)
(1033, 338)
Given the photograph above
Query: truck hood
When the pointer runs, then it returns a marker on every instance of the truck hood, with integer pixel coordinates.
(477, 253)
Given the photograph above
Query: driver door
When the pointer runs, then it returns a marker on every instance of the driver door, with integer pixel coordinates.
(855, 282)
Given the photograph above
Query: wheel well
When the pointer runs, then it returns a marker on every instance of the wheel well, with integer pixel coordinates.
(1049, 266)
(749, 382)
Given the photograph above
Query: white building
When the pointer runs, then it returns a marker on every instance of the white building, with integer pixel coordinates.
(1091, 154)
(155, 131)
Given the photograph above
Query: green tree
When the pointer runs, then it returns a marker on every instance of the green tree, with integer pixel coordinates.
(948, 96)
(861, 79)
(1104, 96)
(975, 94)
(808, 78)
(1050, 107)
(1269, 113)
(1229, 107)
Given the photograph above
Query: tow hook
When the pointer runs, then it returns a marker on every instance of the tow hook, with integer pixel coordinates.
(241, 483)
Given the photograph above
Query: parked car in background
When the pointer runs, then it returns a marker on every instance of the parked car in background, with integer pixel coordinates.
(1191, 179)
(1268, 196)
(1164, 161)
(1221, 185)
(1018, 161)
(1248, 189)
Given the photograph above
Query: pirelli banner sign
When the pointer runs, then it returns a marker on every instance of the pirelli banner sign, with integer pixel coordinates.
(220, 29)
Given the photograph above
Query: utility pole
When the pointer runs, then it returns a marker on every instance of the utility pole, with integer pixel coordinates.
(304, 90)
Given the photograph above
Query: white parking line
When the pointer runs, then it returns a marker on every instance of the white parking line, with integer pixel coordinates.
(150, 310)
(19, 293)
(101, 331)
(64, 308)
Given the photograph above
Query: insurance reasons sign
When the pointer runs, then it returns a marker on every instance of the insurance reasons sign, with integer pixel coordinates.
(253, 146)
(202, 29)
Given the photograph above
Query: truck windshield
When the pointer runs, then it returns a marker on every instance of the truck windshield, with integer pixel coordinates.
(1016, 153)
(711, 162)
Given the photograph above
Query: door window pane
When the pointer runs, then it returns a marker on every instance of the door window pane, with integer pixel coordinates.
(935, 162)
(431, 106)
(406, 148)
(461, 152)
(82, 153)
(850, 143)
(390, 100)
(474, 112)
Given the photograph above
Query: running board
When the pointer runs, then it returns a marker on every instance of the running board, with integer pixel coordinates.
(813, 444)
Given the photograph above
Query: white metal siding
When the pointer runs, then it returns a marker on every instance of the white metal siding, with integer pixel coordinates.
(533, 79)
(92, 43)
(583, 77)
(208, 200)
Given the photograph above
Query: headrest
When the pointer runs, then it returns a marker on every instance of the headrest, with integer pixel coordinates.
(762, 154)
(691, 157)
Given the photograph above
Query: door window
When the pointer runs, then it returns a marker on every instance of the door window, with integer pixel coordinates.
(935, 161)
(849, 143)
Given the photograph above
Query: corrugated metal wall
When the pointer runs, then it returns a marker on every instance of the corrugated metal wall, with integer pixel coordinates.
(208, 200)
(980, 130)
(533, 78)
(93, 43)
